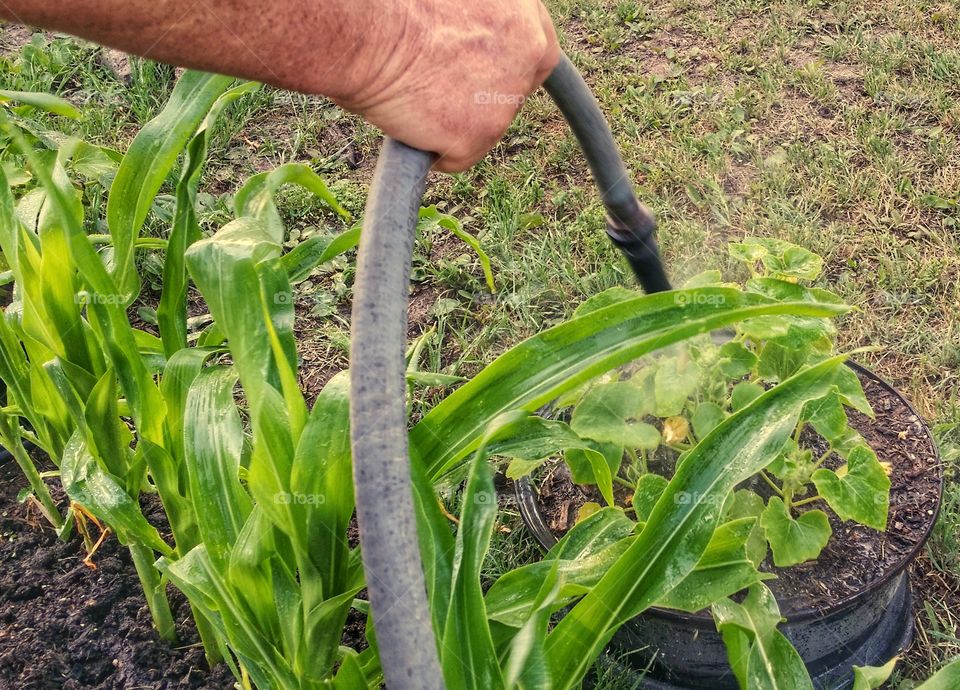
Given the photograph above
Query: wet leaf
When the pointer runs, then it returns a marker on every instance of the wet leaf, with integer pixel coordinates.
(794, 541)
(647, 492)
(707, 416)
(827, 417)
(760, 656)
(722, 570)
(744, 503)
(862, 493)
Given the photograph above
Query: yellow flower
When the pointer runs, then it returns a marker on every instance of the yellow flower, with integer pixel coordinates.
(675, 430)
(586, 510)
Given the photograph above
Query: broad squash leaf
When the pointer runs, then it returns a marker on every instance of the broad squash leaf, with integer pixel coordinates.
(862, 493)
(794, 541)
(612, 413)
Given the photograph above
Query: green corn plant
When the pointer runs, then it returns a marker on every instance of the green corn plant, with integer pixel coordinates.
(41, 322)
(76, 405)
(74, 367)
(131, 379)
(273, 572)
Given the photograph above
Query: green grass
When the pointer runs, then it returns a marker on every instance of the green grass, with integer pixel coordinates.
(832, 125)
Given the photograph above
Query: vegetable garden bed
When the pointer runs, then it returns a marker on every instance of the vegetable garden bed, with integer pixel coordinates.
(246, 502)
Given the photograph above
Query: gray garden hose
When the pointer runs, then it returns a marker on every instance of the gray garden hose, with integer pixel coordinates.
(378, 421)
(629, 224)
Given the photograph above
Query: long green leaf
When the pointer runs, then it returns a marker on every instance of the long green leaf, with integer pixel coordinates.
(171, 313)
(561, 358)
(148, 161)
(683, 520)
(468, 655)
(107, 433)
(321, 483)
(436, 548)
(224, 268)
(721, 571)
(43, 101)
(213, 441)
(760, 656)
(526, 666)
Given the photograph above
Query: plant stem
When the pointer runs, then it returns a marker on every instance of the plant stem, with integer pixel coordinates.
(37, 484)
(154, 591)
(641, 461)
(788, 498)
(623, 482)
(773, 485)
(209, 638)
(805, 501)
(823, 457)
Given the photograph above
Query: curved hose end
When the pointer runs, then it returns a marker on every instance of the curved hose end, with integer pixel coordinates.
(629, 224)
(634, 233)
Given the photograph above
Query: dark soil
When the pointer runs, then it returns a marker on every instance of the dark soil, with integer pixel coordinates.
(66, 626)
(856, 556)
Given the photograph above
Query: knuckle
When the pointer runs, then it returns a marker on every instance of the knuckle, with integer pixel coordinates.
(536, 48)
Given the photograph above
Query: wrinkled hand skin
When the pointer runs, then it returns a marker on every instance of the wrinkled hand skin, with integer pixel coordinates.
(457, 74)
(446, 76)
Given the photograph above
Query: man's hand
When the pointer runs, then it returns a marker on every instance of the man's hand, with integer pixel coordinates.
(446, 76)
(456, 74)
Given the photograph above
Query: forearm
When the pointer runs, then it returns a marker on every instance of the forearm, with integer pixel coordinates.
(303, 45)
(445, 76)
